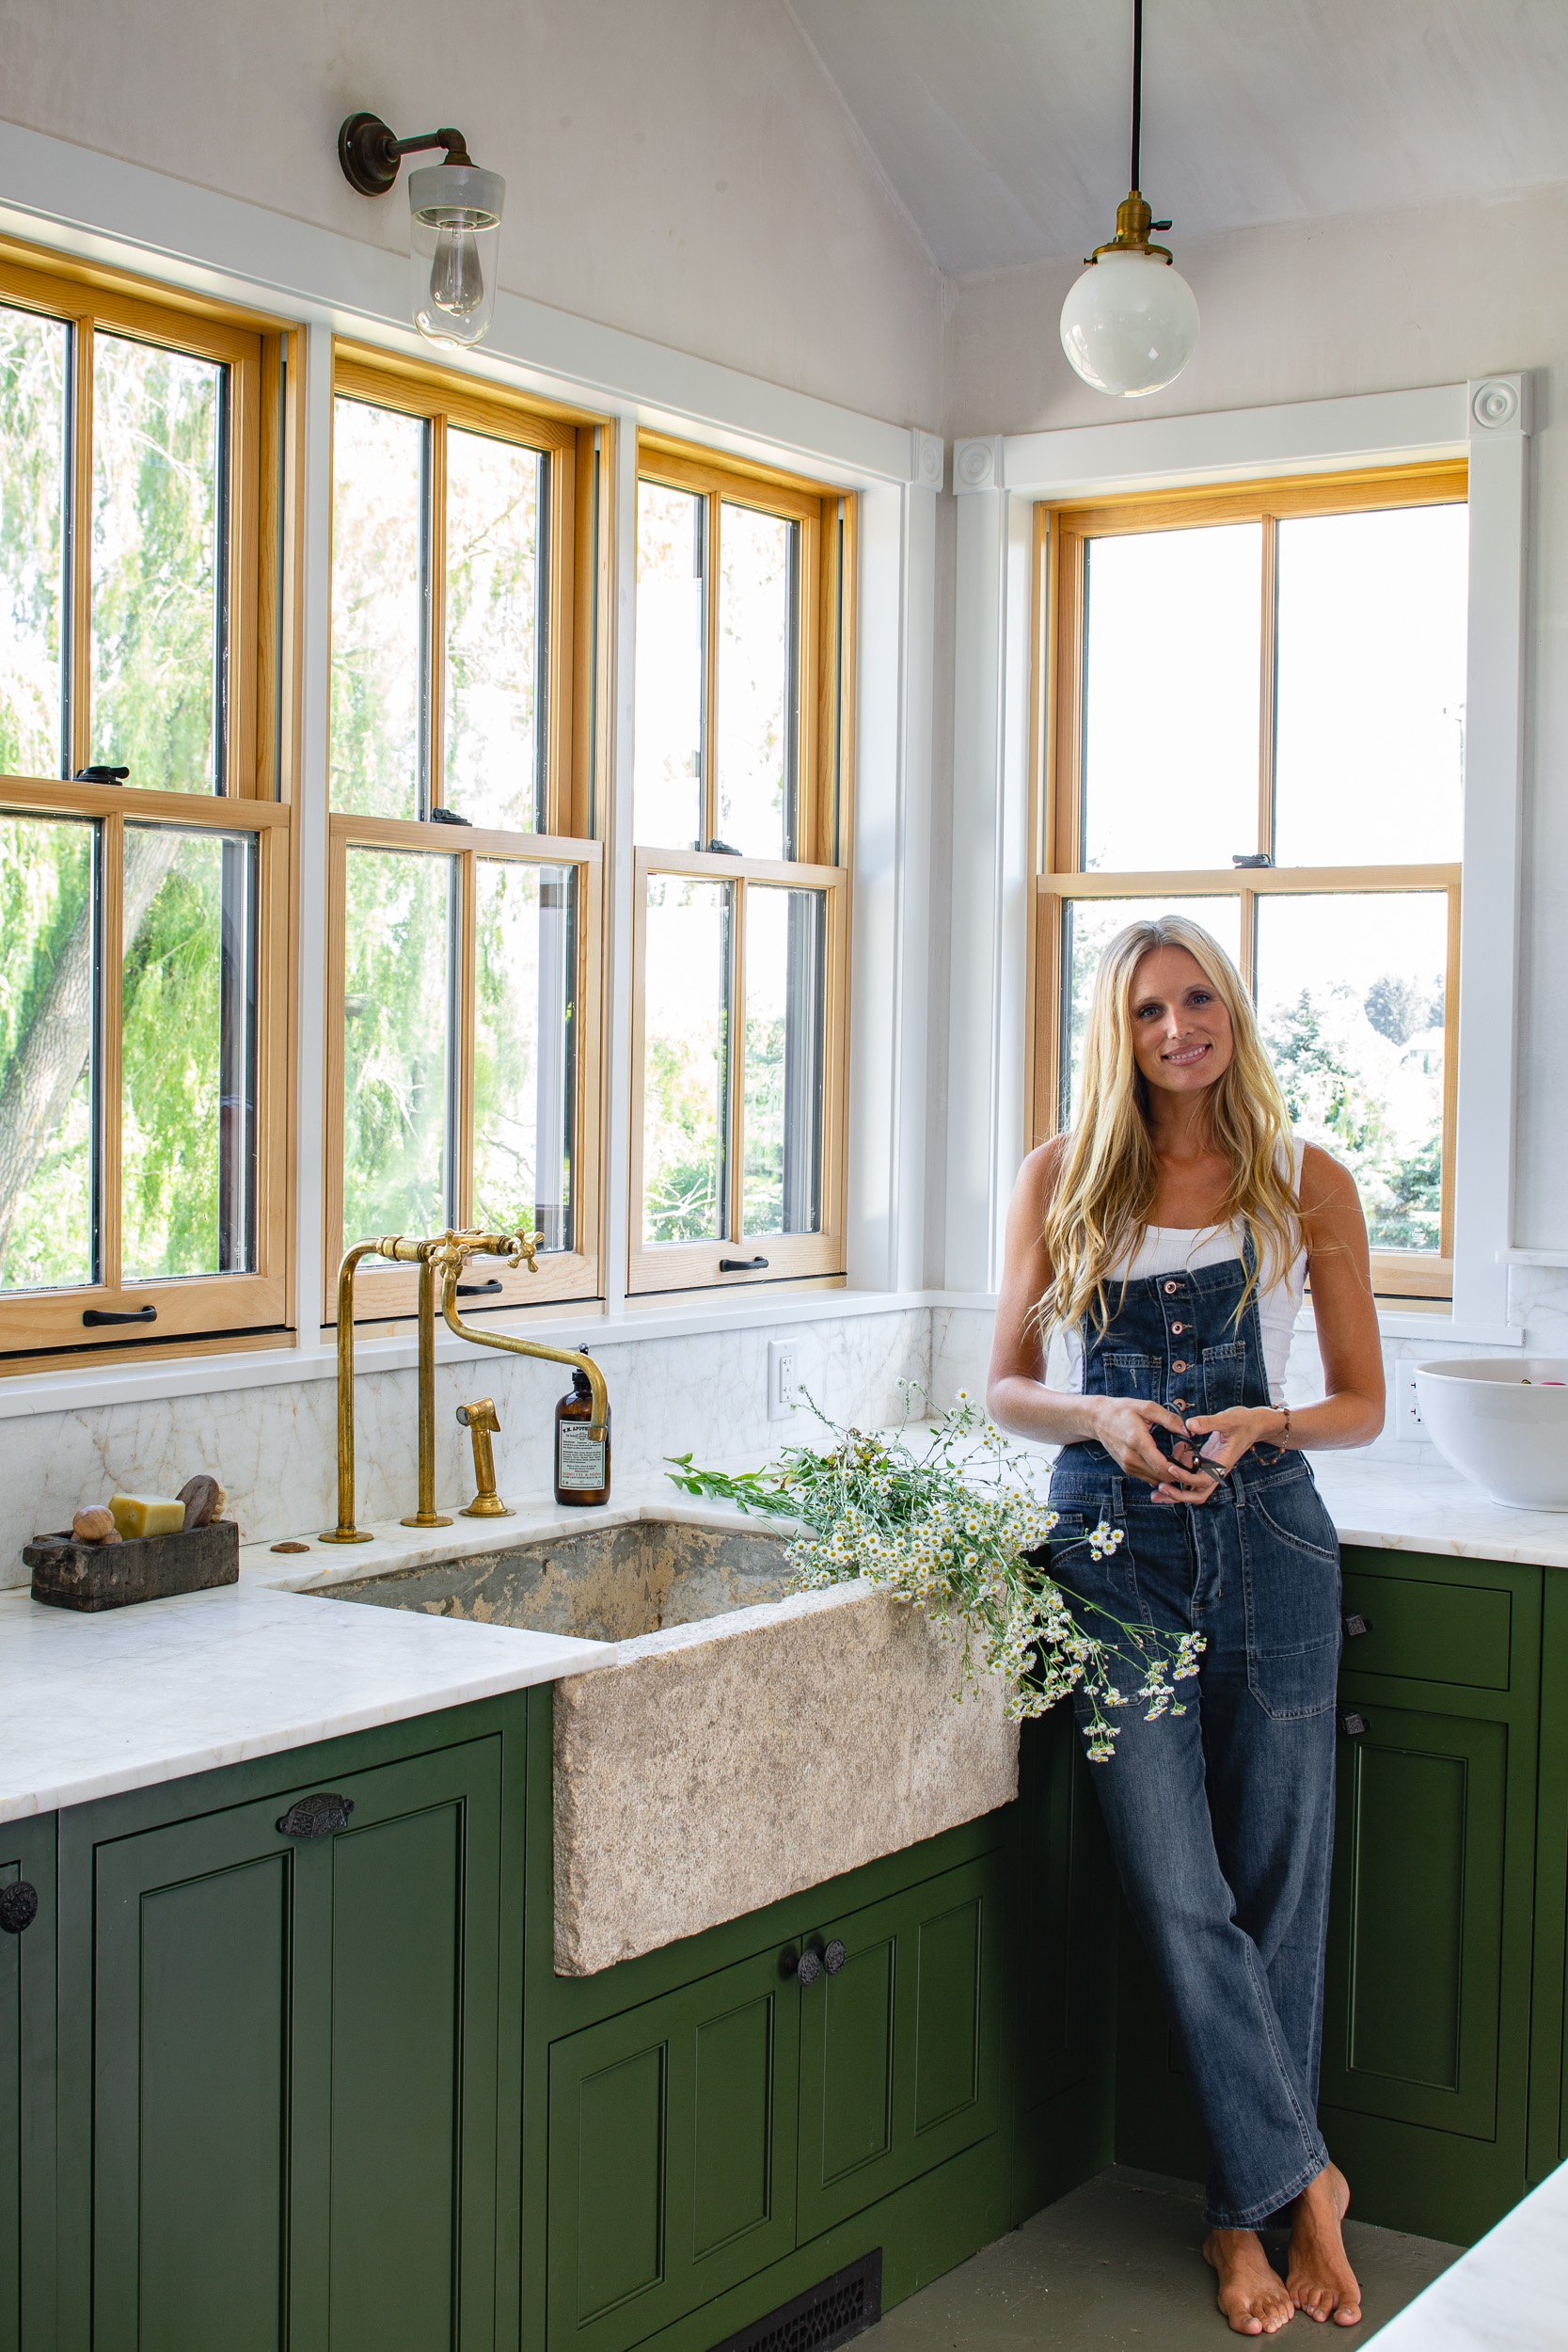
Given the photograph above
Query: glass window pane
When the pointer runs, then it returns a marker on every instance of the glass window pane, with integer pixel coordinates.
(672, 662)
(759, 563)
(157, 468)
(1089, 926)
(47, 1024)
(1350, 993)
(686, 1058)
(495, 694)
(397, 1052)
(378, 603)
(188, 1045)
(1369, 761)
(1171, 669)
(525, 1032)
(786, 953)
(35, 355)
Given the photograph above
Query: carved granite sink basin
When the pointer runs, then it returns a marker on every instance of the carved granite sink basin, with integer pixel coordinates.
(744, 1744)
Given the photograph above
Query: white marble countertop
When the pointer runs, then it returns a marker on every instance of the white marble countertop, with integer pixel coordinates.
(1508, 2293)
(92, 1704)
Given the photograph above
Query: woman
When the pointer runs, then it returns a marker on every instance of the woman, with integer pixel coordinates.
(1169, 1237)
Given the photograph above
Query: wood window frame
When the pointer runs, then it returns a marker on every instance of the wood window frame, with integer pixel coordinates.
(258, 792)
(578, 706)
(824, 823)
(1062, 533)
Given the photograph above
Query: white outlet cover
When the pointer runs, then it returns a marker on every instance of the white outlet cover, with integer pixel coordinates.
(783, 1379)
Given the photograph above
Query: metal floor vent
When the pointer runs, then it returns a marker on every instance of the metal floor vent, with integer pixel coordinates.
(824, 2315)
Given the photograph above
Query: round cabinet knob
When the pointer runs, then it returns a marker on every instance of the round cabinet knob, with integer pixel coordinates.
(1353, 1724)
(19, 1906)
(834, 1957)
(808, 1968)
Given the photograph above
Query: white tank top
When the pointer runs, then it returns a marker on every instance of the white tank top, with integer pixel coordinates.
(1175, 1249)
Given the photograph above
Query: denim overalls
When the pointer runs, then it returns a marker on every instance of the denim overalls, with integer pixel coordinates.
(1222, 1818)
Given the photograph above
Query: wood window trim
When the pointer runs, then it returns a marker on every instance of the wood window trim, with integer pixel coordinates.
(663, 1267)
(257, 789)
(576, 720)
(578, 707)
(1061, 536)
(828, 519)
(563, 1275)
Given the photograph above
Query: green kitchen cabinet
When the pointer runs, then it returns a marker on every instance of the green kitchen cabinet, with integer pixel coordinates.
(899, 2055)
(701, 2137)
(1548, 2106)
(285, 2124)
(672, 2137)
(27, 1914)
(1425, 2061)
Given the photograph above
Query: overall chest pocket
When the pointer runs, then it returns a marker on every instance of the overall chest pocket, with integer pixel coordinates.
(1125, 1374)
(1224, 1374)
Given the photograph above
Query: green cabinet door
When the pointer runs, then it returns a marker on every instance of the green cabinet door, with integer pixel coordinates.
(1548, 2105)
(900, 2057)
(1426, 2021)
(671, 2155)
(295, 2071)
(26, 2085)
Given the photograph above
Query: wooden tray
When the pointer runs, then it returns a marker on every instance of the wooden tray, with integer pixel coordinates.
(71, 1575)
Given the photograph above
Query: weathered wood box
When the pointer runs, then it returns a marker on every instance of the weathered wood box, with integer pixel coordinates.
(72, 1575)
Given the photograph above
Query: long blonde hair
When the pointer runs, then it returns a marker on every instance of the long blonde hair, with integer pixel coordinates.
(1109, 1178)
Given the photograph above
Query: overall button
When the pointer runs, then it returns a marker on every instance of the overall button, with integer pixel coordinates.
(1181, 1403)
(1180, 1365)
(1171, 1289)
(1179, 1328)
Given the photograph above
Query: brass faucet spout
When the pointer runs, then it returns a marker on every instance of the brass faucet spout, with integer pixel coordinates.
(513, 1347)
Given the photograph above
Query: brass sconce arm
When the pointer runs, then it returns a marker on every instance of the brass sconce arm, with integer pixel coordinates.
(370, 152)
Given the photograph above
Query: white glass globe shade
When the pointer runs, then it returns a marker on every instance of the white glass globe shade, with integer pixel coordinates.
(1129, 324)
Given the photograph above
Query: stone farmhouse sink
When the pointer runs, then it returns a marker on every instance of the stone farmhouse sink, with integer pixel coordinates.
(744, 1744)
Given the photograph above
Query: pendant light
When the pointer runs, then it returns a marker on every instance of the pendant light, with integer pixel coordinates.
(457, 212)
(1130, 321)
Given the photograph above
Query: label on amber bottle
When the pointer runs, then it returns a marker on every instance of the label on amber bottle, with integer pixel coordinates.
(580, 1456)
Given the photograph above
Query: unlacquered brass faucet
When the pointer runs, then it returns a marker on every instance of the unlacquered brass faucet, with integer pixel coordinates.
(442, 1257)
(481, 1421)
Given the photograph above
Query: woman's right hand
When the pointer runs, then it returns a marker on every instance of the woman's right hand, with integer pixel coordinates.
(1123, 1425)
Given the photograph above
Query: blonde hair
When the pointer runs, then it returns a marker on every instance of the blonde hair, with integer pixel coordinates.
(1109, 1177)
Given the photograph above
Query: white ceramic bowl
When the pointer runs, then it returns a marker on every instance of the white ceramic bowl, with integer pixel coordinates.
(1503, 1422)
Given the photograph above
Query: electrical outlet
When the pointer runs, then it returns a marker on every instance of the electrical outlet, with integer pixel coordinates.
(1408, 1424)
(783, 1379)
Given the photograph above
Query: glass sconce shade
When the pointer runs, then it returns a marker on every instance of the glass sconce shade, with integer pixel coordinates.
(1129, 322)
(457, 216)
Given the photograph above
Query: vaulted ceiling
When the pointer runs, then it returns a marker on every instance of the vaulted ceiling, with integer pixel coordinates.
(1002, 125)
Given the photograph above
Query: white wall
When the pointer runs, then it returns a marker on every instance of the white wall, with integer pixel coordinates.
(680, 169)
(1431, 297)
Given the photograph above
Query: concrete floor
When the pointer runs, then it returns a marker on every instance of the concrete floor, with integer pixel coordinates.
(1115, 2268)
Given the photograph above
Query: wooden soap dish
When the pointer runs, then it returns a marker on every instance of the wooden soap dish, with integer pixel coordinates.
(69, 1574)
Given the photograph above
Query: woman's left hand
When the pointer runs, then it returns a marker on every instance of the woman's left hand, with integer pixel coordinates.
(1239, 1429)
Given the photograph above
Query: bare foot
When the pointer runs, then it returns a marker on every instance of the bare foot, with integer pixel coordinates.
(1252, 2294)
(1320, 2279)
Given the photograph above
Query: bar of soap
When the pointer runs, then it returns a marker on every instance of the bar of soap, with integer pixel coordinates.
(148, 1514)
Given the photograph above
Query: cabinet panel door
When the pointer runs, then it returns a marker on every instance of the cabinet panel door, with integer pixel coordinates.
(899, 2048)
(27, 2094)
(671, 2155)
(294, 2122)
(1412, 2017)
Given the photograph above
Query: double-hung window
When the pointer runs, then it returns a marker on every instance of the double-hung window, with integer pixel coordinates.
(1251, 711)
(145, 788)
(740, 814)
(465, 880)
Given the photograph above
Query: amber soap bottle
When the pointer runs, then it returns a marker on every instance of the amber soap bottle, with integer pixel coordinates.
(582, 1446)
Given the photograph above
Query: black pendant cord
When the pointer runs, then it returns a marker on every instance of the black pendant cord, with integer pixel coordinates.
(1137, 85)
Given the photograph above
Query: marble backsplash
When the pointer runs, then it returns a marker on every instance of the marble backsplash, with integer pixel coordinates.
(275, 1448)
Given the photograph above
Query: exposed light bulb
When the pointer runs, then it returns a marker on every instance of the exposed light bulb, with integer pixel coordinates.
(456, 279)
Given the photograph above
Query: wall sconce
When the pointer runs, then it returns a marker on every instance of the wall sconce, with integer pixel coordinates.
(457, 217)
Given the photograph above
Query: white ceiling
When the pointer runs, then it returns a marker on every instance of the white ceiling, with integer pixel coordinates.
(1002, 125)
